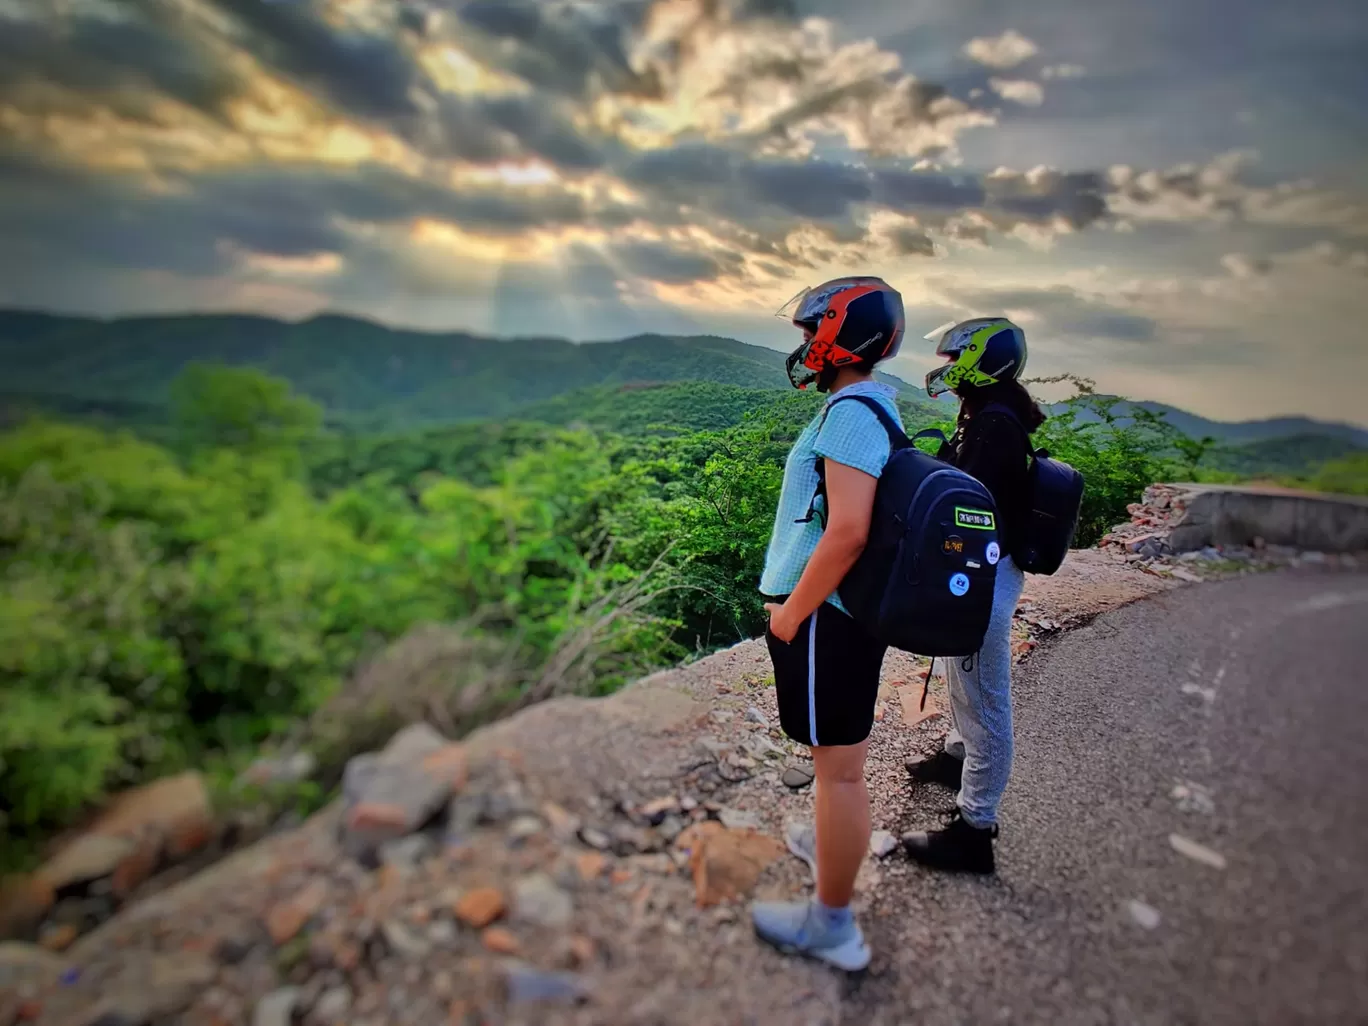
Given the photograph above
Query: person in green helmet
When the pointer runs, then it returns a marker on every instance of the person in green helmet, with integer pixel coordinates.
(985, 357)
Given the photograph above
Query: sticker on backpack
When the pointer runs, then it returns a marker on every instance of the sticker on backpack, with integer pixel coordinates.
(959, 585)
(992, 553)
(977, 519)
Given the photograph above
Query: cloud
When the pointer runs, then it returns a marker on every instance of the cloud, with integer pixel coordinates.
(1217, 192)
(1001, 52)
(114, 52)
(1022, 91)
(662, 262)
(560, 48)
(364, 73)
(1060, 71)
(1059, 310)
(910, 241)
(582, 165)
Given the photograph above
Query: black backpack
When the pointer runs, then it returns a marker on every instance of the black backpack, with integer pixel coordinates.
(924, 582)
(1054, 500)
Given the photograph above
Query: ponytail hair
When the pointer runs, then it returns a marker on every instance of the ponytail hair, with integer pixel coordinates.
(1011, 394)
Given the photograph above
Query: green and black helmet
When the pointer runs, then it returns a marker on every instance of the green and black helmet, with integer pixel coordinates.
(981, 351)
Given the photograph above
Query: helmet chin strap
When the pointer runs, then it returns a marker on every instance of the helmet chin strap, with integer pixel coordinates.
(826, 377)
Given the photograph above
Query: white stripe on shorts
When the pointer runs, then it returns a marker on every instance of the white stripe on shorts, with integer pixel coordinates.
(812, 677)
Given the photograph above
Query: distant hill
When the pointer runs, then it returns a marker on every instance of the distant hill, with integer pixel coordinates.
(690, 406)
(363, 373)
(1290, 455)
(1238, 432)
(372, 378)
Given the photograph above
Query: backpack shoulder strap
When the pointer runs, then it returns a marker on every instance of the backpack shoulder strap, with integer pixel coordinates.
(897, 439)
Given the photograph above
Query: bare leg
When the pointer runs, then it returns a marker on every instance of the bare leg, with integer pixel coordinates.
(824, 928)
(842, 807)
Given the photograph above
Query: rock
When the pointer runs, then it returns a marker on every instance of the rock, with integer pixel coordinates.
(737, 819)
(564, 825)
(1147, 916)
(403, 941)
(284, 769)
(395, 792)
(735, 768)
(480, 907)
(688, 804)
(276, 1008)
(1193, 798)
(24, 901)
(882, 843)
(527, 985)
(503, 804)
(406, 852)
(696, 834)
(464, 815)
(522, 829)
(333, 1005)
(88, 857)
(914, 715)
(288, 917)
(590, 865)
(628, 839)
(500, 941)
(442, 932)
(443, 984)
(82, 913)
(581, 949)
(1197, 852)
(58, 937)
(796, 777)
(168, 818)
(727, 864)
(537, 900)
(755, 715)
(655, 811)
(158, 987)
(670, 828)
(596, 839)
(28, 964)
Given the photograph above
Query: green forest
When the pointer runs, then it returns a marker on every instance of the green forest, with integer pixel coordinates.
(211, 572)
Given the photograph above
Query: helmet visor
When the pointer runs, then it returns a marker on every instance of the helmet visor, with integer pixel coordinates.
(954, 337)
(937, 335)
(799, 374)
(811, 303)
(936, 385)
(789, 311)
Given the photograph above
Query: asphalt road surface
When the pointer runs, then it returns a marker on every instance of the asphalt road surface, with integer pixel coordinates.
(1230, 715)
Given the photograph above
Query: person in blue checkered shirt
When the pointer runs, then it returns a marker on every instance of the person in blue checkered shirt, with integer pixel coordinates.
(826, 666)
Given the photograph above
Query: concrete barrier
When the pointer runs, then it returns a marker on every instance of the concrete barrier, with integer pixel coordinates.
(1237, 515)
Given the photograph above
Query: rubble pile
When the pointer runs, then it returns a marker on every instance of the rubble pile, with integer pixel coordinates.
(1146, 534)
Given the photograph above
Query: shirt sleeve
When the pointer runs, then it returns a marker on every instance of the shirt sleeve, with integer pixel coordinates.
(853, 437)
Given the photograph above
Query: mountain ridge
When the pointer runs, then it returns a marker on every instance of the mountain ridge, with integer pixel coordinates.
(370, 374)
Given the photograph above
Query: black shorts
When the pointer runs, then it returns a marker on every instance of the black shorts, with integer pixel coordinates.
(827, 679)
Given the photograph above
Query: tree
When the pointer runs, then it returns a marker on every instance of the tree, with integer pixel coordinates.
(234, 407)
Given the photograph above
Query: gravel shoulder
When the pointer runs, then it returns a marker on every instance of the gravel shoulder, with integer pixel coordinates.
(603, 873)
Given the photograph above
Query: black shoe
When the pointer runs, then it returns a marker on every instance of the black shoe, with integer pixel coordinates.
(941, 768)
(959, 848)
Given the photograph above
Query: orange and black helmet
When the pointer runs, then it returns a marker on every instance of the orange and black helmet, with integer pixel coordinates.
(853, 322)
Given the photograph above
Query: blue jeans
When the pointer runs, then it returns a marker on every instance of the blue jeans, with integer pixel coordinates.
(981, 706)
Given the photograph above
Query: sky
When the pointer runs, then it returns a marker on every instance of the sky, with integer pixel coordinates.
(1169, 196)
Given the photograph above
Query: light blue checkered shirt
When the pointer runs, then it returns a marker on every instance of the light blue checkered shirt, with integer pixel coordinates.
(852, 436)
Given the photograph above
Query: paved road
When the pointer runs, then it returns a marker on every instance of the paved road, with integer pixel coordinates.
(1251, 693)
